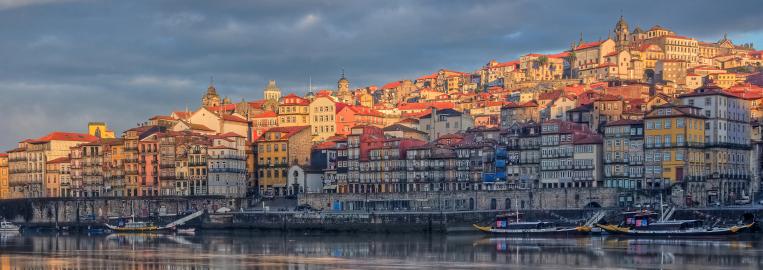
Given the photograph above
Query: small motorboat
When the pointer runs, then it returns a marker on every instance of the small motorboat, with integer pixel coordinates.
(643, 225)
(6, 226)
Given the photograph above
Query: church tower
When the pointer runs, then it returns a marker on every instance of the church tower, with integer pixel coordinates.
(272, 92)
(621, 34)
(210, 99)
(343, 90)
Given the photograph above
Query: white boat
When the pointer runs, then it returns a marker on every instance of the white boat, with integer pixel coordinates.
(6, 226)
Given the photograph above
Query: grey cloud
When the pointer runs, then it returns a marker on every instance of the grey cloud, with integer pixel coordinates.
(66, 63)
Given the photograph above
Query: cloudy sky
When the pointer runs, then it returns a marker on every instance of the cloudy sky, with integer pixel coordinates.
(65, 63)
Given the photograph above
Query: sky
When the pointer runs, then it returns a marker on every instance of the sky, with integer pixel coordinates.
(66, 63)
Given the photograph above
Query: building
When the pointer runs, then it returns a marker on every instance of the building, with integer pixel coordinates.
(519, 113)
(4, 190)
(57, 173)
(100, 130)
(446, 121)
(727, 141)
(29, 178)
(624, 154)
(277, 150)
(294, 111)
(211, 98)
(322, 111)
(559, 160)
(343, 93)
(227, 166)
(272, 92)
(114, 167)
(674, 142)
(522, 142)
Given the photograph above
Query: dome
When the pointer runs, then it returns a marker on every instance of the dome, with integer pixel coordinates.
(621, 24)
(211, 91)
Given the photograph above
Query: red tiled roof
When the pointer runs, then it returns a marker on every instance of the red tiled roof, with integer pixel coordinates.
(234, 118)
(182, 114)
(65, 136)
(59, 160)
(392, 85)
(3, 154)
(161, 117)
(558, 55)
(505, 64)
(293, 99)
(325, 145)
(550, 95)
(425, 105)
(589, 45)
(226, 107)
(289, 131)
(266, 114)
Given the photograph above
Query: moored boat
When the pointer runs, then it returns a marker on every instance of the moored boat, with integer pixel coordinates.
(643, 225)
(6, 226)
(135, 226)
(510, 225)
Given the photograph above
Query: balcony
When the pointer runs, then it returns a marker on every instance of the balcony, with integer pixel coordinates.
(226, 170)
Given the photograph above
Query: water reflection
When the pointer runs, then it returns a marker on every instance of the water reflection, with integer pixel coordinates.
(245, 250)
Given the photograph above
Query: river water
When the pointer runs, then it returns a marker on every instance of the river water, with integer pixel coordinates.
(249, 250)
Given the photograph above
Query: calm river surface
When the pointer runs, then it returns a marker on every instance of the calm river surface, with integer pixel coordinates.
(247, 250)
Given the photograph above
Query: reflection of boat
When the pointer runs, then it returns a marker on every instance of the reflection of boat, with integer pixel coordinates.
(6, 226)
(641, 224)
(188, 231)
(504, 225)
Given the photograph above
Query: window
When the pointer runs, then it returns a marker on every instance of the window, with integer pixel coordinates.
(666, 156)
(680, 122)
(668, 123)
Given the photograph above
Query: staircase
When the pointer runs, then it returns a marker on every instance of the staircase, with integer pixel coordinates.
(598, 216)
(667, 215)
(185, 219)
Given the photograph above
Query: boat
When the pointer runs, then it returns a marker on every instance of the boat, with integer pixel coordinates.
(643, 225)
(504, 225)
(135, 226)
(6, 226)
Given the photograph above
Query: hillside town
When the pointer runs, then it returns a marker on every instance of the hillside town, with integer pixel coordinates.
(644, 112)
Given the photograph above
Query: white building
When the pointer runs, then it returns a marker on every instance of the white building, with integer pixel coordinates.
(227, 165)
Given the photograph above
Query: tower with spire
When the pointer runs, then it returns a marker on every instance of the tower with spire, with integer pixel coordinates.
(272, 92)
(343, 89)
(211, 98)
(621, 33)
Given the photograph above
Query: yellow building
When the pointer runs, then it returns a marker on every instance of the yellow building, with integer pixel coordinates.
(294, 111)
(674, 143)
(100, 130)
(277, 150)
(4, 176)
(113, 167)
(322, 118)
(724, 80)
(57, 173)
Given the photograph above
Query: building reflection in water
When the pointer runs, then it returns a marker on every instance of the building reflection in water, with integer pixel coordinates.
(363, 251)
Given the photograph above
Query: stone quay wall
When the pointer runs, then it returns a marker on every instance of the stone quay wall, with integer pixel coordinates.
(574, 198)
(96, 210)
(384, 221)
